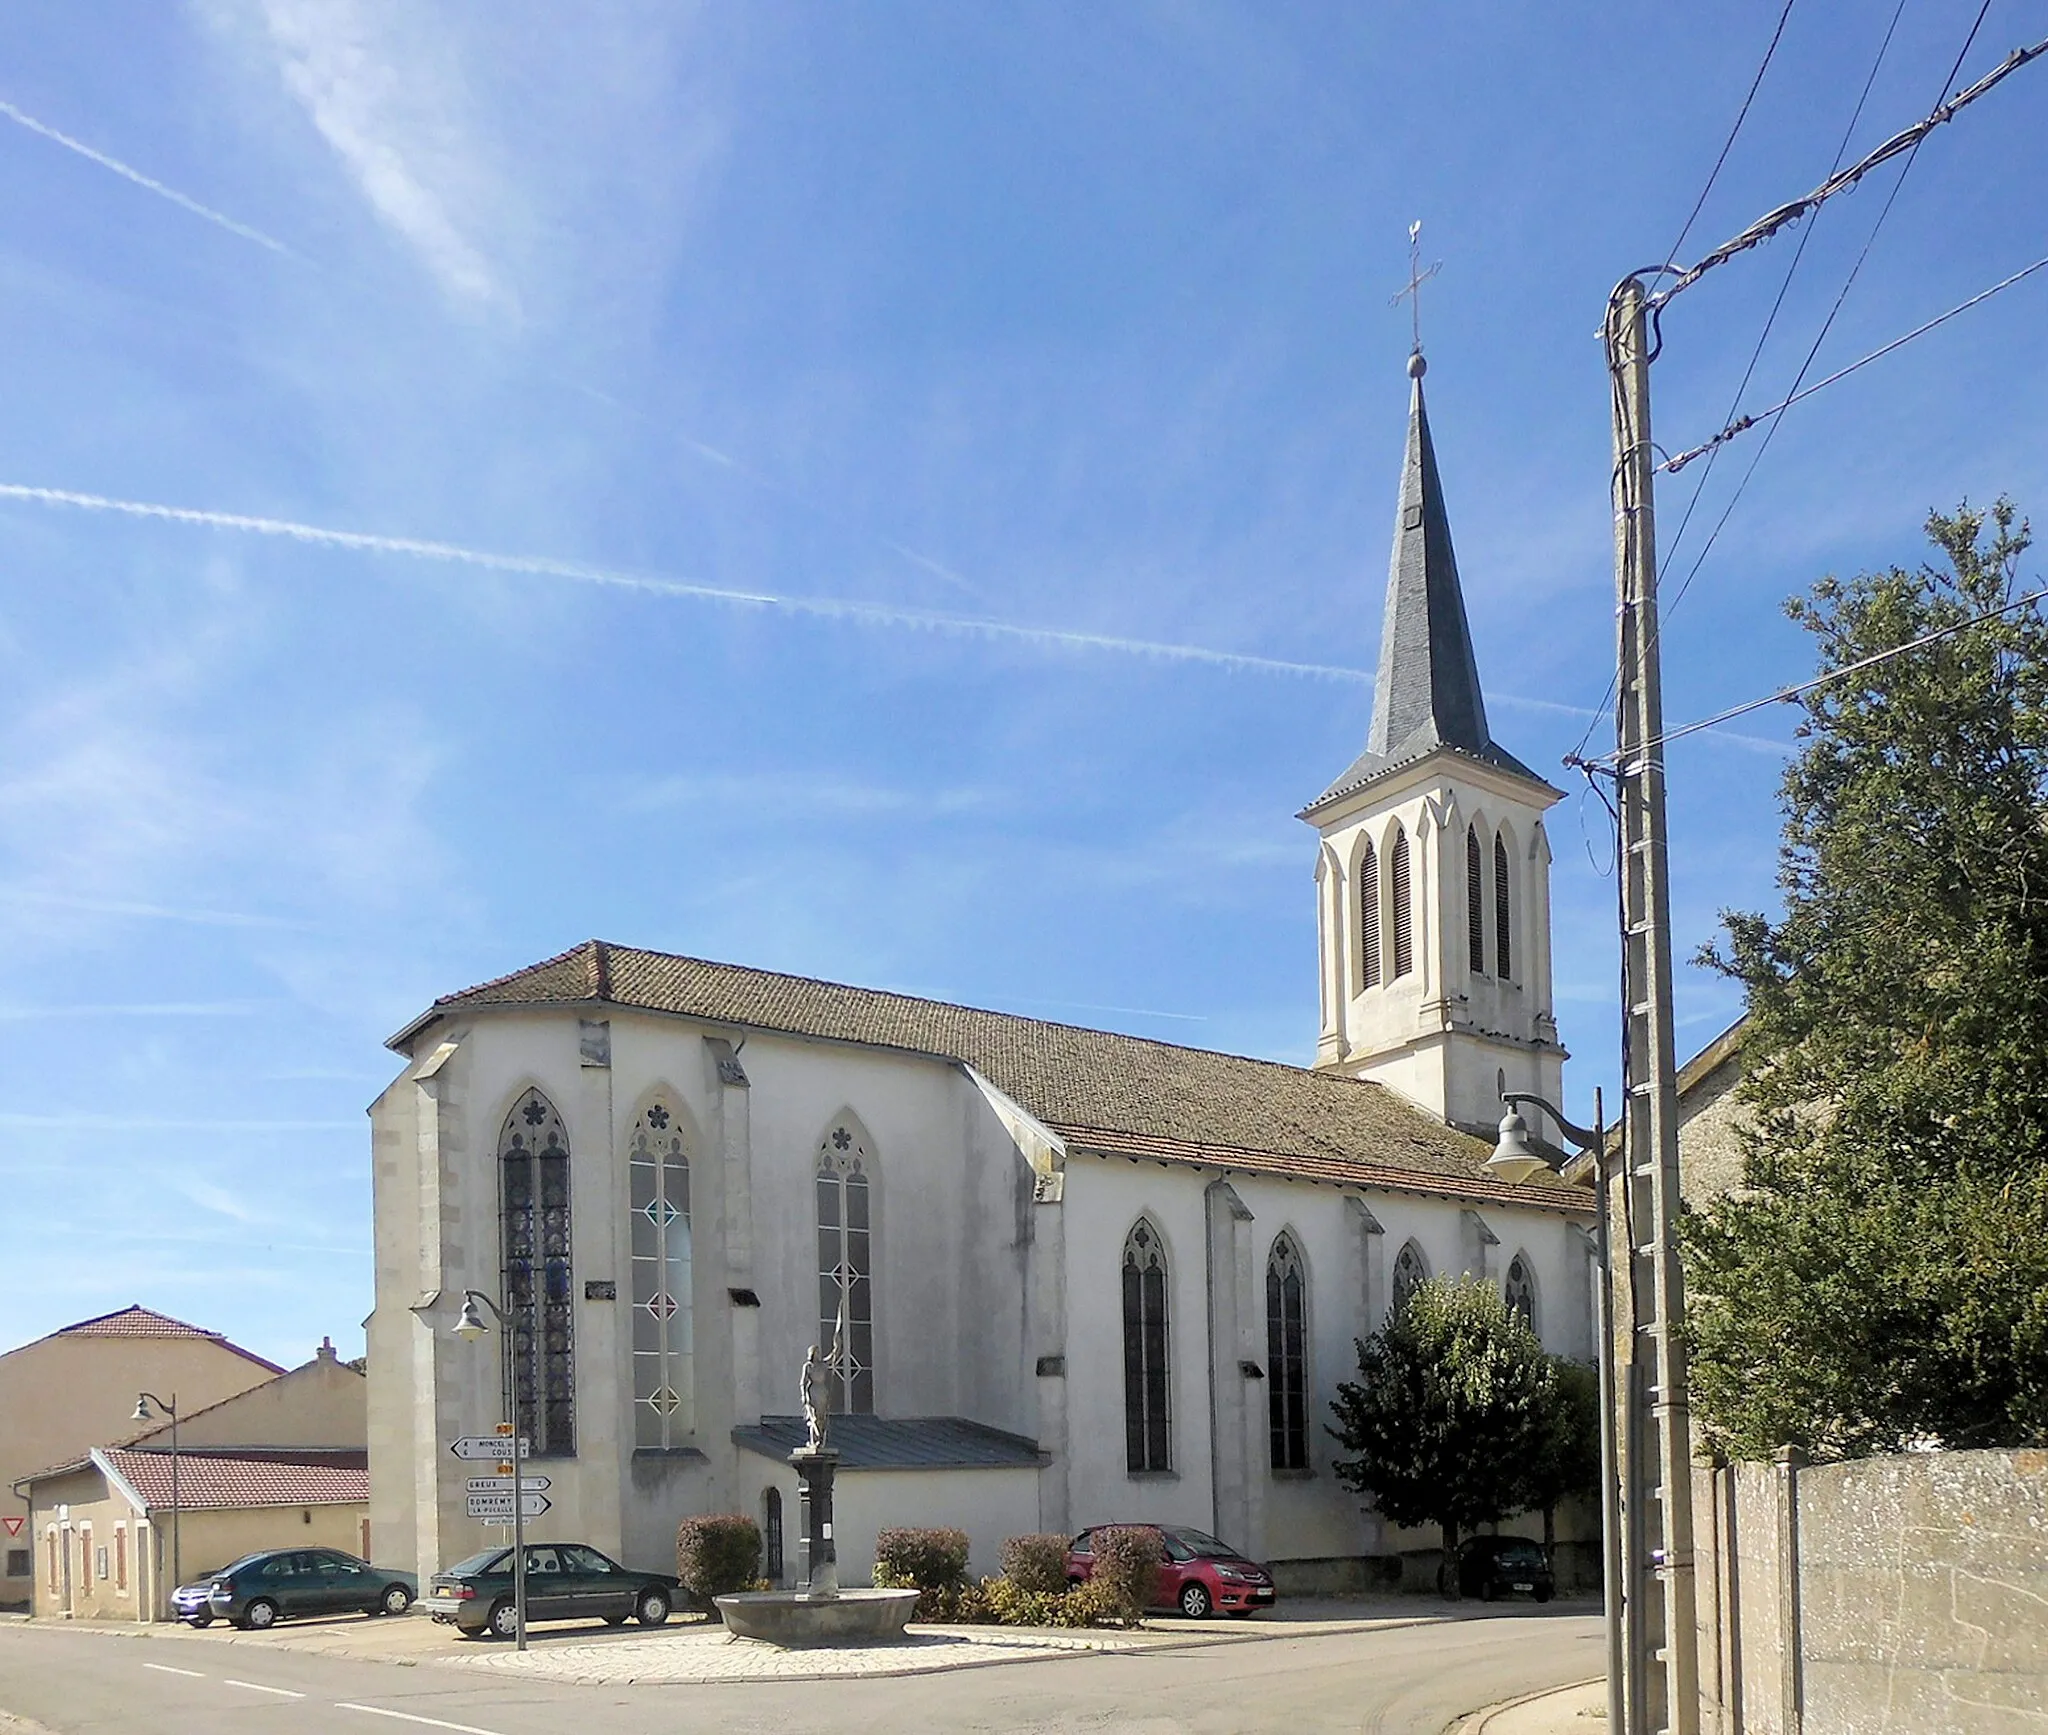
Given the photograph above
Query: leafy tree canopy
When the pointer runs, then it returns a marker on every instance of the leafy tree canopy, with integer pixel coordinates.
(1882, 1278)
(1449, 1409)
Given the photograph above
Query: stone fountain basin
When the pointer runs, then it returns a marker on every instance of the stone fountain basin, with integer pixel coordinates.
(794, 1618)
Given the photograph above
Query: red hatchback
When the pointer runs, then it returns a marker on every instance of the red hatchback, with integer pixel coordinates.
(1199, 1576)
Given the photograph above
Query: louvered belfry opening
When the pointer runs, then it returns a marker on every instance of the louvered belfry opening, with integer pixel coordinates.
(1369, 918)
(1475, 904)
(1503, 944)
(1404, 916)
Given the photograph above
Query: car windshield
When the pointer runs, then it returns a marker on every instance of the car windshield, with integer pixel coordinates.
(1203, 1546)
(477, 1563)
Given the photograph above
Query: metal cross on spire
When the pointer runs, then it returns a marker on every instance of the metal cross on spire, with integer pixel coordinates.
(1417, 277)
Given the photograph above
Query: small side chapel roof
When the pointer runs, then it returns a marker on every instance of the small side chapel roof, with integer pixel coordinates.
(1098, 1089)
(882, 1443)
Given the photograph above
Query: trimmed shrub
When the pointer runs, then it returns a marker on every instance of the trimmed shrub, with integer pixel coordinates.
(931, 1562)
(717, 1556)
(1037, 1564)
(1126, 1576)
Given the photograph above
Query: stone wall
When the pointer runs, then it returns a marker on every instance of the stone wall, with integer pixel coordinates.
(1901, 1593)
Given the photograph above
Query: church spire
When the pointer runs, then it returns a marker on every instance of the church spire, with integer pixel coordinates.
(1427, 693)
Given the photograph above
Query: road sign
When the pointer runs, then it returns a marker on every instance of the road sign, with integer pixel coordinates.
(492, 1446)
(503, 1484)
(13, 1525)
(497, 1508)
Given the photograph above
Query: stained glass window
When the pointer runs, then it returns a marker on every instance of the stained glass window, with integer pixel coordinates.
(533, 1164)
(1148, 1434)
(1369, 918)
(846, 1269)
(1411, 1272)
(658, 1196)
(1287, 1355)
(1501, 940)
(1519, 1291)
(1404, 917)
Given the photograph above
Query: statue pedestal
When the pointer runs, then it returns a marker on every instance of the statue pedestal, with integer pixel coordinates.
(817, 1558)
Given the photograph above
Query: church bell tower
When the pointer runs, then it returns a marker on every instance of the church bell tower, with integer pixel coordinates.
(1433, 872)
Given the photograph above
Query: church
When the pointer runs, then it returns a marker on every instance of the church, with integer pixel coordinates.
(1085, 1277)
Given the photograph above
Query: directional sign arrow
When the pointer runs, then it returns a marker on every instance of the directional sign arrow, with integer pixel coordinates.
(497, 1508)
(503, 1485)
(490, 1446)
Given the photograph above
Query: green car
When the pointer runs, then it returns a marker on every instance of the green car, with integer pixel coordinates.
(565, 1581)
(259, 1590)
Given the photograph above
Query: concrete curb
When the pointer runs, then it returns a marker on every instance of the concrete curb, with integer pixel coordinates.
(1478, 1722)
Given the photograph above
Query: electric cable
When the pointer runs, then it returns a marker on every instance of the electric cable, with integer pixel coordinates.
(1741, 115)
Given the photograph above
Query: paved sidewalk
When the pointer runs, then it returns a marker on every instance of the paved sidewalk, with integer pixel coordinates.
(1579, 1710)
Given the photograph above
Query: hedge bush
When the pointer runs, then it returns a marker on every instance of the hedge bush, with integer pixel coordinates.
(931, 1562)
(1036, 1564)
(1126, 1576)
(717, 1556)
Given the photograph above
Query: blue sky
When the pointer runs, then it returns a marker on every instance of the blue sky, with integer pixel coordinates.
(1069, 318)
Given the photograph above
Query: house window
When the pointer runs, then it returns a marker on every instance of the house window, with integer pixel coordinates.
(658, 1195)
(846, 1265)
(19, 1563)
(1287, 1355)
(1369, 918)
(533, 1166)
(1411, 1272)
(1404, 917)
(1501, 941)
(1147, 1435)
(56, 1568)
(1519, 1291)
(1475, 904)
(120, 1557)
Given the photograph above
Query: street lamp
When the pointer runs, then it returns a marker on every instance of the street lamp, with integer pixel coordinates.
(1515, 1159)
(470, 1325)
(143, 1413)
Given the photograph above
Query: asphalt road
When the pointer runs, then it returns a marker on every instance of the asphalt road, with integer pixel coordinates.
(1401, 1681)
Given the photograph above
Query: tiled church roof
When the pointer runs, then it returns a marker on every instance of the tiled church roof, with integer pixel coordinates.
(139, 1321)
(1122, 1095)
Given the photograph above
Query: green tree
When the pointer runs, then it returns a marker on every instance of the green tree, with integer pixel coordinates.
(1882, 1277)
(1566, 1462)
(1448, 1411)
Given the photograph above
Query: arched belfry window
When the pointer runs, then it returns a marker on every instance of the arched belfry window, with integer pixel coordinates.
(1519, 1290)
(658, 1195)
(1404, 914)
(846, 1263)
(533, 1176)
(1148, 1435)
(1475, 903)
(1287, 1354)
(1411, 1272)
(1369, 917)
(1503, 946)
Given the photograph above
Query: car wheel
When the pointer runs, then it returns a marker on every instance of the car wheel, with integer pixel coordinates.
(504, 1621)
(199, 1620)
(1195, 1602)
(1488, 1590)
(1543, 1593)
(259, 1616)
(652, 1608)
(395, 1600)
(614, 1620)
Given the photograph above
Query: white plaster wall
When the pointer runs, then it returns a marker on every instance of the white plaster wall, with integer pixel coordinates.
(989, 1505)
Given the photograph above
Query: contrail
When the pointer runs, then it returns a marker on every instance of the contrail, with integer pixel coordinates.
(824, 608)
(143, 181)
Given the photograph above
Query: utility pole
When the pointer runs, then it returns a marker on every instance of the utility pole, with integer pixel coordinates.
(1662, 1688)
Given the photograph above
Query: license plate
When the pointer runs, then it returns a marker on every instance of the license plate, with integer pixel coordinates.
(1525, 1587)
(1262, 1596)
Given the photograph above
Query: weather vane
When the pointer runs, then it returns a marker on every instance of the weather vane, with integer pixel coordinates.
(1417, 277)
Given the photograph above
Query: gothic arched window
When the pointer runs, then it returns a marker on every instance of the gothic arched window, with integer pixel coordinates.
(1404, 916)
(1475, 904)
(533, 1175)
(1147, 1434)
(846, 1264)
(1287, 1355)
(1411, 1272)
(1519, 1290)
(1369, 918)
(658, 1191)
(1500, 909)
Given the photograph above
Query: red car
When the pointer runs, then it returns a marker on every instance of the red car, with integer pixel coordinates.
(1199, 1576)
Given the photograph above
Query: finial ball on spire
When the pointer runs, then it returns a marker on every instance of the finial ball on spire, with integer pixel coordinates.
(1417, 367)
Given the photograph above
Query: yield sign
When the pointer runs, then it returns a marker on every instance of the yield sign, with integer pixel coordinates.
(13, 1525)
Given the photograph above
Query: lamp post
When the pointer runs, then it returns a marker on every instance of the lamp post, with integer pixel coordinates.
(143, 1413)
(1515, 1159)
(470, 1326)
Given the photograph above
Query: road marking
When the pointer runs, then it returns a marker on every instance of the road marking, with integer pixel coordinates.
(409, 1717)
(166, 1669)
(258, 1687)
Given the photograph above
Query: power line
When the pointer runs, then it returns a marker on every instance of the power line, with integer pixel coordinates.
(1606, 761)
(1743, 424)
(1741, 115)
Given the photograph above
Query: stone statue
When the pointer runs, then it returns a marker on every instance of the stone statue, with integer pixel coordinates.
(817, 1396)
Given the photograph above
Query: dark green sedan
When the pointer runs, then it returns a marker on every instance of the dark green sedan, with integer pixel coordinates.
(259, 1590)
(565, 1581)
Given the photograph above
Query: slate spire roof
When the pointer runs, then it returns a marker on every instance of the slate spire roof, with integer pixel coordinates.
(1426, 695)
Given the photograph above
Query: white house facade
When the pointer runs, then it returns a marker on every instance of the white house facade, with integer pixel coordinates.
(1086, 1277)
